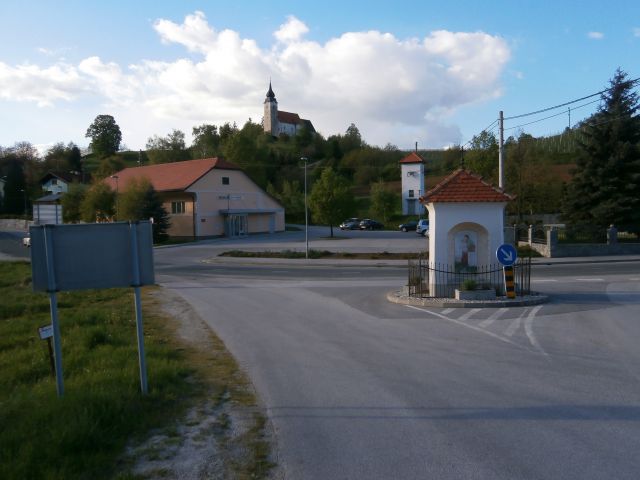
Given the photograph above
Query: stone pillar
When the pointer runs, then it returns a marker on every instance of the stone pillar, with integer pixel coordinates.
(612, 235)
(510, 236)
(552, 241)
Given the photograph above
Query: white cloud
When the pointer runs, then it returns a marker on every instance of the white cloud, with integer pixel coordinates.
(392, 89)
(636, 32)
(595, 35)
(291, 31)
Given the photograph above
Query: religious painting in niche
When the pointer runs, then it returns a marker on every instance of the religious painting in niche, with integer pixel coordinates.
(466, 258)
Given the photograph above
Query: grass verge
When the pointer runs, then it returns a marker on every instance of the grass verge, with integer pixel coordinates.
(316, 254)
(85, 433)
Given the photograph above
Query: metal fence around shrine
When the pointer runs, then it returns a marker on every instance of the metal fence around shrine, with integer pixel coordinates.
(444, 280)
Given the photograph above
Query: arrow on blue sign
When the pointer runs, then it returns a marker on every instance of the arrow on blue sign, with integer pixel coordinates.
(506, 254)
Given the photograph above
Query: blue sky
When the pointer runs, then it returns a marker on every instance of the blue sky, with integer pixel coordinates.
(407, 71)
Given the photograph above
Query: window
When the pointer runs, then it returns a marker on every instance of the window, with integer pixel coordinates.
(54, 181)
(410, 193)
(225, 180)
(177, 207)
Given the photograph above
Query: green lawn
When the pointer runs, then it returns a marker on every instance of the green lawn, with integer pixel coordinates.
(83, 434)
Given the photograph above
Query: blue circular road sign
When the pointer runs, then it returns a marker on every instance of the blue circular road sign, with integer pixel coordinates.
(506, 254)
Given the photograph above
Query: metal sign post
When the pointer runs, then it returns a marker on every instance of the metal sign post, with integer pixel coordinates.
(53, 303)
(61, 261)
(135, 264)
(507, 256)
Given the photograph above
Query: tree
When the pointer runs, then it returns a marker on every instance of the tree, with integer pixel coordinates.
(383, 201)
(109, 166)
(105, 136)
(98, 204)
(72, 202)
(331, 200)
(206, 141)
(605, 188)
(140, 201)
(15, 187)
(171, 148)
(291, 197)
(482, 157)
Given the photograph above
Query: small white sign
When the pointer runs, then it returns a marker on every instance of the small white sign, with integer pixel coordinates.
(45, 331)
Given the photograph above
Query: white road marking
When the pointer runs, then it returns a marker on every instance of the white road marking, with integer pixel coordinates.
(528, 328)
(544, 280)
(494, 316)
(511, 329)
(472, 327)
(467, 315)
(448, 310)
(589, 279)
(635, 279)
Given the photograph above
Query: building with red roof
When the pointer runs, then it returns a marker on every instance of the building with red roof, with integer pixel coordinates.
(207, 197)
(466, 221)
(412, 175)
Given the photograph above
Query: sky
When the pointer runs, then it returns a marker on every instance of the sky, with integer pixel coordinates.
(435, 73)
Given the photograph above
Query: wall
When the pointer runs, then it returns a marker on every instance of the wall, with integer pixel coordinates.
(444, 219)
(240, 194)
(181, 223)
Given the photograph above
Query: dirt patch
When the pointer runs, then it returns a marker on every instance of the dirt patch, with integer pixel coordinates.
(225, 433)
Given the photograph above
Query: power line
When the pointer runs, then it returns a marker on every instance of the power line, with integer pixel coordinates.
(635, 80)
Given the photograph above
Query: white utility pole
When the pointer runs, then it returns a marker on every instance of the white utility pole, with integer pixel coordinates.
(306, 216)
(501, 151)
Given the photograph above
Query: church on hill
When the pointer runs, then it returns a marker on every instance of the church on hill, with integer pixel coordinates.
(276, 122)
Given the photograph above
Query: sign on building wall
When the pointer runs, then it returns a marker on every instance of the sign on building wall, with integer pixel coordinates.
(465, 251)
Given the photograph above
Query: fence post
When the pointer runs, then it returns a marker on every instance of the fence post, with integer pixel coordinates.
(530, 239)
(552, 241)
(612, 235)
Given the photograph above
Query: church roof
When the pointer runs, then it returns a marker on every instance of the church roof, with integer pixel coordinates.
(413, 157)
(464, 186)
(288, 117)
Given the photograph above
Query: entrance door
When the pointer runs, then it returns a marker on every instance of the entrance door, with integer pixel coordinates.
(238, 225)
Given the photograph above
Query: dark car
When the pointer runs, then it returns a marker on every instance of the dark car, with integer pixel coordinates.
(350, 224)
(409, 226)
(368, 224)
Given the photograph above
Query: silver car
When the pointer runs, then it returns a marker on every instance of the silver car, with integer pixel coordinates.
(423, 228)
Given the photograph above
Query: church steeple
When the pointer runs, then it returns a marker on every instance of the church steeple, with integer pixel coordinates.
(270, 94)
(270, 119)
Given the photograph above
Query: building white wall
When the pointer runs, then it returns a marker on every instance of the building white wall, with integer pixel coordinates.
(412, 175)
(445, 219)
(55, 185)
(287, 128)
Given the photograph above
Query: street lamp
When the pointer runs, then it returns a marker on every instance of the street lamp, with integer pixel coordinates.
(24, 194)
(306, 216)
(115, 177)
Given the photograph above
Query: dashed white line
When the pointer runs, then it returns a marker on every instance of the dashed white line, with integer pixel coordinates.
(511, 329)
(469, 314)
(494, 316)
(544, 280)
(528, 328)
(447, 311)
(589, 279)
(472, 327)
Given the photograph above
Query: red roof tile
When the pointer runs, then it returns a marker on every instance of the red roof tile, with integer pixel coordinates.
(170, 176)
(288, 117)
(413, 157)
(463, 186)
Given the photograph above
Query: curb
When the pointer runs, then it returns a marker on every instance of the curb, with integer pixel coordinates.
(397, 297)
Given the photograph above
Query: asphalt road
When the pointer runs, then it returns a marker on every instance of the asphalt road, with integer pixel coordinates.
(357, 387)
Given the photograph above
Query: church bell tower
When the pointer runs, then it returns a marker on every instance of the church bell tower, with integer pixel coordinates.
(270, 120)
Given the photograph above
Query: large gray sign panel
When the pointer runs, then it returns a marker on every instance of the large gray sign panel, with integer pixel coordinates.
(93, 255)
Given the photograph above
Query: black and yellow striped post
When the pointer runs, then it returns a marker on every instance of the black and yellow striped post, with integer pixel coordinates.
(509, 284)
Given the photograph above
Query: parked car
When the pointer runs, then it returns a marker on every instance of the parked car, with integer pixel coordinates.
(26, 241)
(368, 224)
(423, 228)
(408, 226)
(350, 224)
